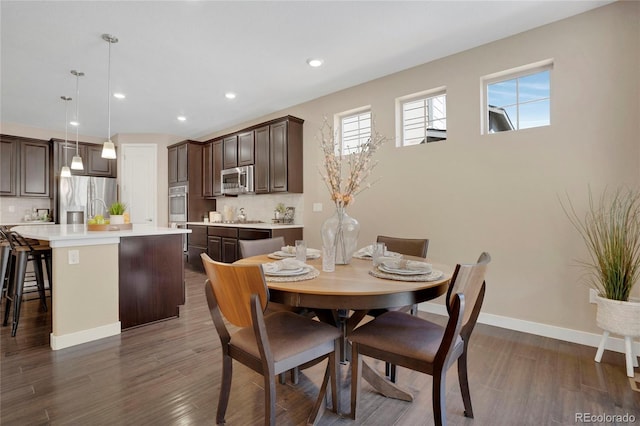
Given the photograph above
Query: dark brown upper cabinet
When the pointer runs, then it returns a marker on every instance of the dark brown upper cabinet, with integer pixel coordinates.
(211, 167)
(35, 168)
(91, 154)
(274, 148)
(230, 144)
(217, 167)
(285, 155)
(178, 163)
(98, 166)
(207, 172)
(261, 168)
(8, 167)
(25, 167)
(245, 148)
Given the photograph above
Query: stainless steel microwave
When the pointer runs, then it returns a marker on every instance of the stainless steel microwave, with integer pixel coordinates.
(238, 180)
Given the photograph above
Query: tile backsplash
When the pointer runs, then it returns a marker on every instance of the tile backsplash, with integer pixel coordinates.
(13, 209)
(261, 207)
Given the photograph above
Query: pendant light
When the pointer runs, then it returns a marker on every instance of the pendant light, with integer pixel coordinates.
(108, 148)
(65, 171)
(76, 162)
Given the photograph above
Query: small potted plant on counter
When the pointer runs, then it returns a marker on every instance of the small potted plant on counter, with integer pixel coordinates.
(280, 211)
(116, 213)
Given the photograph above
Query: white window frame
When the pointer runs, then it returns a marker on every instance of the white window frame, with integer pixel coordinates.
(514, 73)
(400, 119)
(363, 135)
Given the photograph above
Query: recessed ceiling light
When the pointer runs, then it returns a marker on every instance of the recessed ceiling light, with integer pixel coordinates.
(119, 95)
(74, 123)
(230, 95)
(182, 118)
(315, 62)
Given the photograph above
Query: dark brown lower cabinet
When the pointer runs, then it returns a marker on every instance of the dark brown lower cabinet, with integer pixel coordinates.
(151, 279)
(221, 242)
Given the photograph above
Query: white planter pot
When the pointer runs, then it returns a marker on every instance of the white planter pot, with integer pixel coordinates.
(618, 317)
(116, 219)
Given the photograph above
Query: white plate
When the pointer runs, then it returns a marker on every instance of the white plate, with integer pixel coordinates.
(288, 272)
(403, 271)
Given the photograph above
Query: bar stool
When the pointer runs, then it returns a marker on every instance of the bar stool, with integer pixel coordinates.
(22, 251)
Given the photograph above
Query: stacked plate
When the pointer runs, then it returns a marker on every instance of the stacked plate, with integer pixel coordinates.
(285, 268)
(287, 253)
(405, 267)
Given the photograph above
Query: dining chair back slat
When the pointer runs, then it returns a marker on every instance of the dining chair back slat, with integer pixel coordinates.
(250, 248)
(409, 246)
(234, 300)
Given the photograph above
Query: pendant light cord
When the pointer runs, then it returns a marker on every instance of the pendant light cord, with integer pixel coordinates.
(109, 95)
(66, 100)
(77, 109)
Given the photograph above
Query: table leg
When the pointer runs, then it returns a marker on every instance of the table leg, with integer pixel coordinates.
(384, 386)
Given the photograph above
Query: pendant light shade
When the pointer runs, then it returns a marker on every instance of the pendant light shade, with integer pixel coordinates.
(108, 148)
(76, 162)
(65, 171)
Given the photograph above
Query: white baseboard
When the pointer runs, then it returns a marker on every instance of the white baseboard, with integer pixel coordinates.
(84, 336)
(568, 335)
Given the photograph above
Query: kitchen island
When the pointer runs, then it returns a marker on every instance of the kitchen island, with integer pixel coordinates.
(106, 281)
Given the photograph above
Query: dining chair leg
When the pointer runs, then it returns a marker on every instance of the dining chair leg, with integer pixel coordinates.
(356, 375)
(269, 400)
(11, 282)
(37, 260)
(439, 394)
(225, 388)
(464, 384)
(5, 254)
(20, 270)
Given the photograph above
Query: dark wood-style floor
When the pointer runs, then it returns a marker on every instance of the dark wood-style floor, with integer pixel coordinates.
(168, 374)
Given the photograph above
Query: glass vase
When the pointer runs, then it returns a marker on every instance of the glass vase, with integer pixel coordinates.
(341, 231)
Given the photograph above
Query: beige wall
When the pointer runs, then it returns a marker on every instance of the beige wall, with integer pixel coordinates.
(500, 192)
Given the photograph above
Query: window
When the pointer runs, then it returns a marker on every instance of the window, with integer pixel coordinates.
(423, 117)
(518, 99)
(355, 129)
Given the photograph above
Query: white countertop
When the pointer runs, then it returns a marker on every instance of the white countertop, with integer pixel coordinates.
(31, 222)
(70, 235)
(263, 225)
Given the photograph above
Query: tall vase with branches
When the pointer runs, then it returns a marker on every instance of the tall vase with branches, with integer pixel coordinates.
(345, 176)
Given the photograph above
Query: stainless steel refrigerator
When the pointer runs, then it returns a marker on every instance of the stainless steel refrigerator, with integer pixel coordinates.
(88, 194)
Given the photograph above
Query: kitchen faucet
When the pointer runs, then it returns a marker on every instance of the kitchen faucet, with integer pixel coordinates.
(91, 206)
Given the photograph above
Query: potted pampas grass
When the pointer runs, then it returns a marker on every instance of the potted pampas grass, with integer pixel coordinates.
(611, 231)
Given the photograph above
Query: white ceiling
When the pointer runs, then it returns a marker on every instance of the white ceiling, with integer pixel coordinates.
(180, 57)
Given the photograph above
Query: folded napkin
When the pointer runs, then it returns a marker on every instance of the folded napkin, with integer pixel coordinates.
(367, 251)
(282, 265)
(292, 251)
(407, 265)
(288, 249)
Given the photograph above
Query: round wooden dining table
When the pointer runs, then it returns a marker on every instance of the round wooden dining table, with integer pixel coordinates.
(345, 296)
